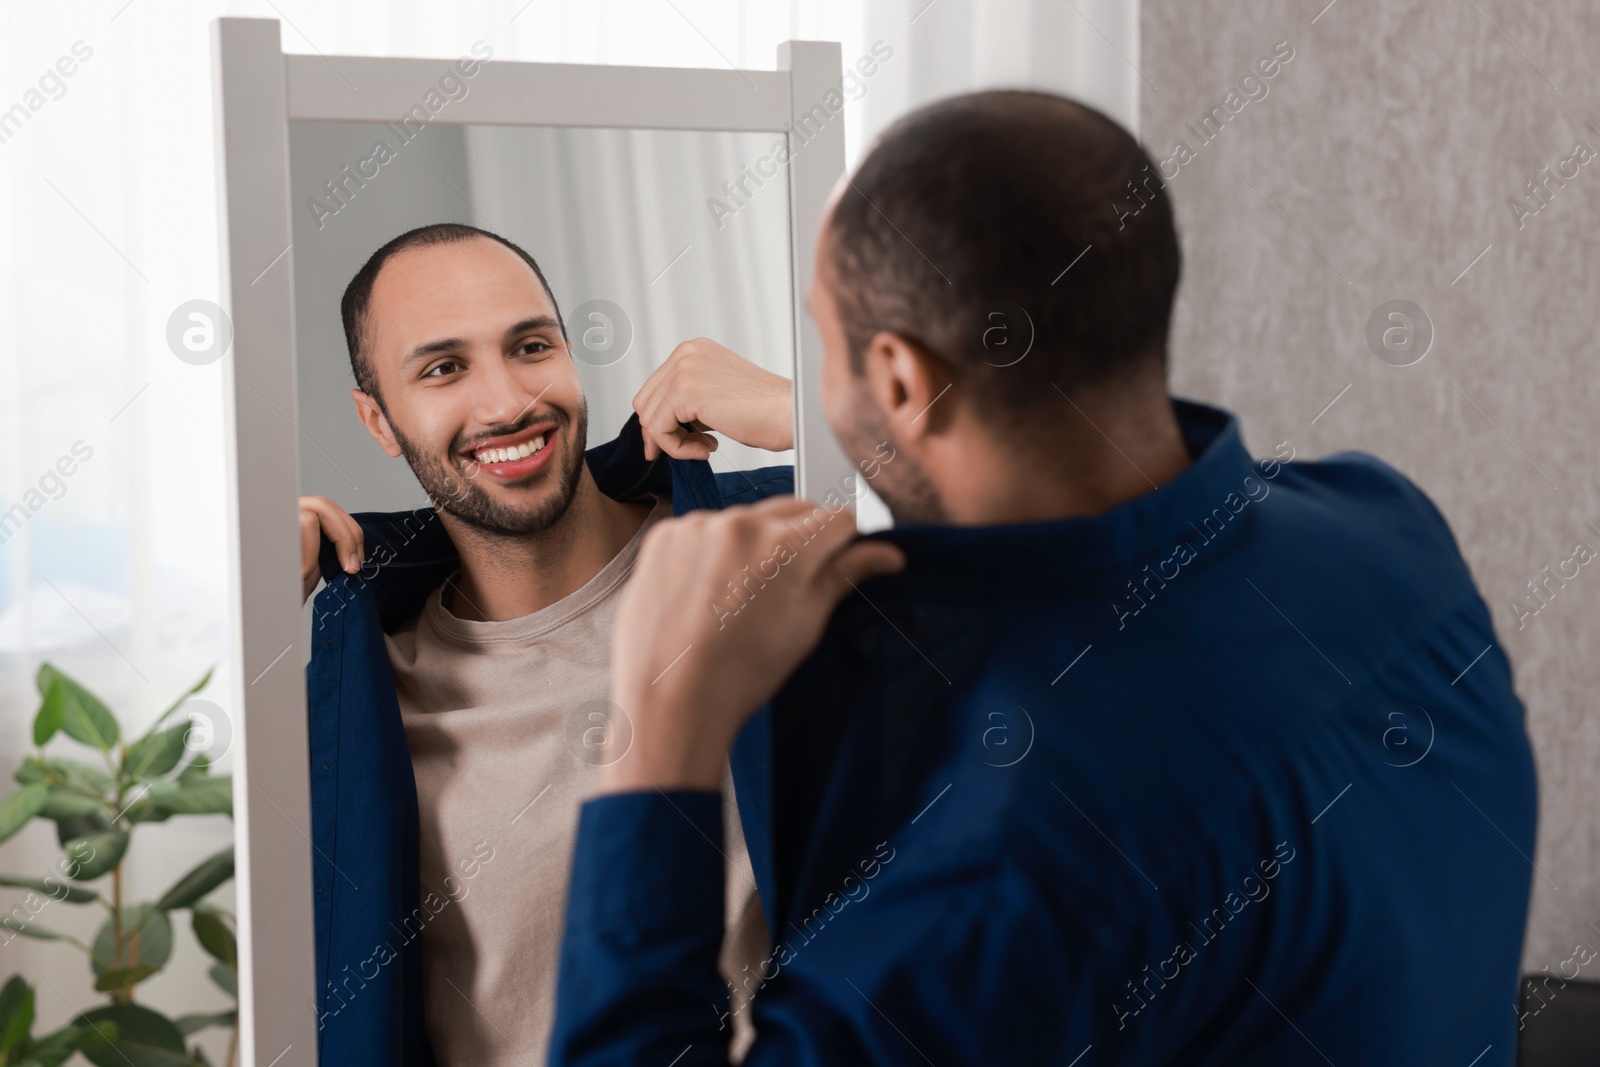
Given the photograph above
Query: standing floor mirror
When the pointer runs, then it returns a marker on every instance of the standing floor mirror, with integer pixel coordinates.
(653, 200)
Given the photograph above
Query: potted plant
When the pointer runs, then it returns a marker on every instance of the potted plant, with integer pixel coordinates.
(95, 806)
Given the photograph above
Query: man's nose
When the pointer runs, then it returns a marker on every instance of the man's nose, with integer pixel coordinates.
(501, 396)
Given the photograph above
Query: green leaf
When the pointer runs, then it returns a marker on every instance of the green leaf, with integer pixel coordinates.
(143, 812)
(96, 854)
(176, 704)
(65, 804)
(225, 977)
(155, 940)
(214, 935)
(18, 808)
(190, 1024)
(124, 978)
(208, 796)
(76, 826)
(155, 755)
(45, 676)
(16, 1015)
(81, 776)
(197, 769)
(144, 1038)
(209, 874)
(83, 716)
(56, 1048)
(33, 769)
(59, 891)
(52, 712)
(38, 933)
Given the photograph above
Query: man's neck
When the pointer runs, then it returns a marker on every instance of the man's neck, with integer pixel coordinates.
(505, 578)
(1105, 448)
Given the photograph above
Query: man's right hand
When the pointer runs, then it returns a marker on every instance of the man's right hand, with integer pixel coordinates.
(318, 516)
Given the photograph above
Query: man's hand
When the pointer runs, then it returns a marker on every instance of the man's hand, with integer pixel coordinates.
(720, 609)
(711, 388)
(319, 515)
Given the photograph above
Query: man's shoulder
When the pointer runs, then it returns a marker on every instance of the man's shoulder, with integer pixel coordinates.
(408, 555)
(1359, 485)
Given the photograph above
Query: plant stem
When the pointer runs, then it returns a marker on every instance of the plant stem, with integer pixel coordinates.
(233, 1044)
(116, 916)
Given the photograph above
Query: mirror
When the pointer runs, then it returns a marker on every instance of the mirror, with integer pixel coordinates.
(606, 175)
(627, 225)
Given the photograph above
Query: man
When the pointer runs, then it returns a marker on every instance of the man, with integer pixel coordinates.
(461, 674)
(1149, 754)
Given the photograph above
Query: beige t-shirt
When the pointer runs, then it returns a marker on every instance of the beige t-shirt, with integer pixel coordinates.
(507, 726)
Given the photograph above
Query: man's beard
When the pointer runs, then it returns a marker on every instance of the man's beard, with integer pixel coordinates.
(900, 483)
(451, 489)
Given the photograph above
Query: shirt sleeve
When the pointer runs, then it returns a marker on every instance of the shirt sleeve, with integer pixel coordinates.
(962, 966)
(638, 972)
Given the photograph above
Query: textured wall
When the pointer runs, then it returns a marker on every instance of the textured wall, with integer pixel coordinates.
(1379, 165)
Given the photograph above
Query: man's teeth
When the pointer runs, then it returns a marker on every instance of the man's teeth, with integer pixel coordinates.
(509, 455)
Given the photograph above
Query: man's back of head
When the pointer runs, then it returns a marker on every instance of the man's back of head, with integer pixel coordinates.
(1016, 251)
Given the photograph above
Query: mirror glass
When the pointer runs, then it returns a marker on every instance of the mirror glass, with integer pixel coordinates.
(644, 236)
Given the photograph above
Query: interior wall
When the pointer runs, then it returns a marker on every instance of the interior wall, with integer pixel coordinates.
(1382, 162)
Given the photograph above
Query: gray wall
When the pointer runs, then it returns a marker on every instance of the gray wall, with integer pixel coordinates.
(338, 458)
(1383, 158)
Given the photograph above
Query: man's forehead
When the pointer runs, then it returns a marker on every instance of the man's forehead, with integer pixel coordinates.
(465, 287)
(449, 271)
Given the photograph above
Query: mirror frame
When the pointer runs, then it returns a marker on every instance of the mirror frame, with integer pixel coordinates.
(259, 91)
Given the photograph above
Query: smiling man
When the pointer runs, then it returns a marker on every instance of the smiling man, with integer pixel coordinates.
(459, 682)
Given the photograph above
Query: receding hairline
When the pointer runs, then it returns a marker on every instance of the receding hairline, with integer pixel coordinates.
(424, 246)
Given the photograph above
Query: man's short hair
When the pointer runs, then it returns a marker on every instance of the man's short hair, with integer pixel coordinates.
(984, 222)
(358, 294)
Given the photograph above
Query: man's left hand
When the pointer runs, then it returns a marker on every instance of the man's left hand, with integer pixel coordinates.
(719, 611)
(709, 387)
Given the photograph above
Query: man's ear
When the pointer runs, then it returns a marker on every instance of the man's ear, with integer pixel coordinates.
(907, 384)
(377, 424)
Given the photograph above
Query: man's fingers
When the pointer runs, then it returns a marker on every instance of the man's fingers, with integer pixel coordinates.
(686, 445)
(337, 525)
(644, 406)
(308, 542)
(652, 389)
(659, 424)
(860, 560)
(681, 444)
(350, 543)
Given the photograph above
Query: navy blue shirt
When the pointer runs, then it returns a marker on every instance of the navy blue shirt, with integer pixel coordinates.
(1232, 773)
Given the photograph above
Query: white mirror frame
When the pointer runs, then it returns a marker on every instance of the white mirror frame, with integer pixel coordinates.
(260, 90)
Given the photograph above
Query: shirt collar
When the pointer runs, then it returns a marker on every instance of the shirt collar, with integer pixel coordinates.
(944, 561)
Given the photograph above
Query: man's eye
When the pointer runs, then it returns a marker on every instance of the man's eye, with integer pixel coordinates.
(439, 370)
(532, 348)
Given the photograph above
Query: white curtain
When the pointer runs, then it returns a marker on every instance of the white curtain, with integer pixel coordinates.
(611, 215)
(116, 571)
